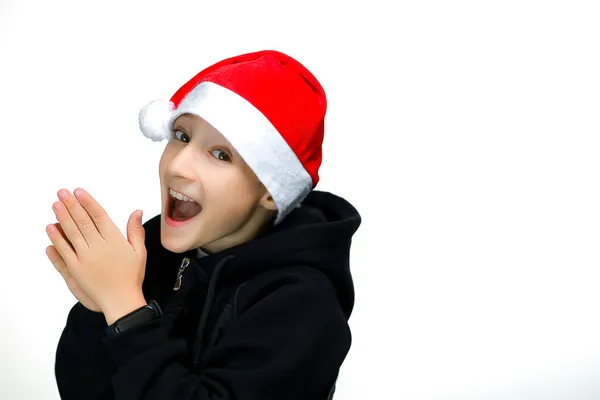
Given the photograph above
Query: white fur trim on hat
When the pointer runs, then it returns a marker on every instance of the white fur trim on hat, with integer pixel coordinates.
(155, 119)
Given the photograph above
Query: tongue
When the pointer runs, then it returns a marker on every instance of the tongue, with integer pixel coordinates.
(184, 210)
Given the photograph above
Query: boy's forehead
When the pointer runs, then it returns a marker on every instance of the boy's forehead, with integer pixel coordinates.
(198, 125)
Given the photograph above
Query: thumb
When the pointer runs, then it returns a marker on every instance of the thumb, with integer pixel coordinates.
(135, 231)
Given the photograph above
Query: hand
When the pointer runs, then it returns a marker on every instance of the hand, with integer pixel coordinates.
(108, 268)
(72, 284)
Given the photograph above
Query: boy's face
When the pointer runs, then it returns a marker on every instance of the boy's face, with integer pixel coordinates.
(233, 205)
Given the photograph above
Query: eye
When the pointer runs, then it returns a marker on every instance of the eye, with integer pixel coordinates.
(220, 155)
(181, 136)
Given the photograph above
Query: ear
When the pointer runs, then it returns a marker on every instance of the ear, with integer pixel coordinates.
(266, 201)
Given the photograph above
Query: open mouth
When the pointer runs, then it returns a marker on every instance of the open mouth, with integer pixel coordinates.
(180, 210)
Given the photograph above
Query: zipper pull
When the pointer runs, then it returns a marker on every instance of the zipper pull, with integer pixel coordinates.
(184, 263)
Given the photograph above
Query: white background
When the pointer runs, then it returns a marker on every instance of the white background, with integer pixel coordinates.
(466, 133)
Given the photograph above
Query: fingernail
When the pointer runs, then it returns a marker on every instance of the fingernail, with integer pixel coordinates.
(58, 206)
(79, 192)
(51, 228)
(63, 194)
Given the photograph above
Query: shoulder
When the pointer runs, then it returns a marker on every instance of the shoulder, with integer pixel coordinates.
(300, 289)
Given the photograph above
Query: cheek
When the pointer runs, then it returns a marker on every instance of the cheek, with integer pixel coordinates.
(165, 159)
(161, 169)
(232, 196)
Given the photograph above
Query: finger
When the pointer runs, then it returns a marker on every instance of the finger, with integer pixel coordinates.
(62, 246)
(98, 215)
(69, 227)
(135, 232)
(79, 215)
(58, 262)
(62, 232)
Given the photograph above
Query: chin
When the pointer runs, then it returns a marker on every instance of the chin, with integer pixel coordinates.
(174, 243)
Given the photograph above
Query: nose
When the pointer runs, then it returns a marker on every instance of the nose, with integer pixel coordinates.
(182, 164)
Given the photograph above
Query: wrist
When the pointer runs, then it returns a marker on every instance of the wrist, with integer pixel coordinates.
(122, 308)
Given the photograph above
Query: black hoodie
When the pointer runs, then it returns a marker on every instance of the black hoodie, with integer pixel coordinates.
(267, 319)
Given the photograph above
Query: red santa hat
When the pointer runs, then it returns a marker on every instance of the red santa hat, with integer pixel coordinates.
(268, 106)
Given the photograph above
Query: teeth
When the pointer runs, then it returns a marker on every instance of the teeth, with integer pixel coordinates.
(180, 196)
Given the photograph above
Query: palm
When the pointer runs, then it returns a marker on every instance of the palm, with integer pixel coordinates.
(82, 297)
(71, 283)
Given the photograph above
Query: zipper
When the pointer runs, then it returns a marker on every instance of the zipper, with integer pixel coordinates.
(178, 281)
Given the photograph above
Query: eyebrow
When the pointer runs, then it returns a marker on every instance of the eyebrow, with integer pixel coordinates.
(219, 141)
(178, 127)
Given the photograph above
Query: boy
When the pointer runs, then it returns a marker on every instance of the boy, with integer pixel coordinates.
(240, 288)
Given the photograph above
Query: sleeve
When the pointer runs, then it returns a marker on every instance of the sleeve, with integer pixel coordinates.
(83, 367)
(288, 343)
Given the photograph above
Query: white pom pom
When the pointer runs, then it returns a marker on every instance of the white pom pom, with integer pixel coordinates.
(155, 118)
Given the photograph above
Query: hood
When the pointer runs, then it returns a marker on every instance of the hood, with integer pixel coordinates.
(317, 234)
